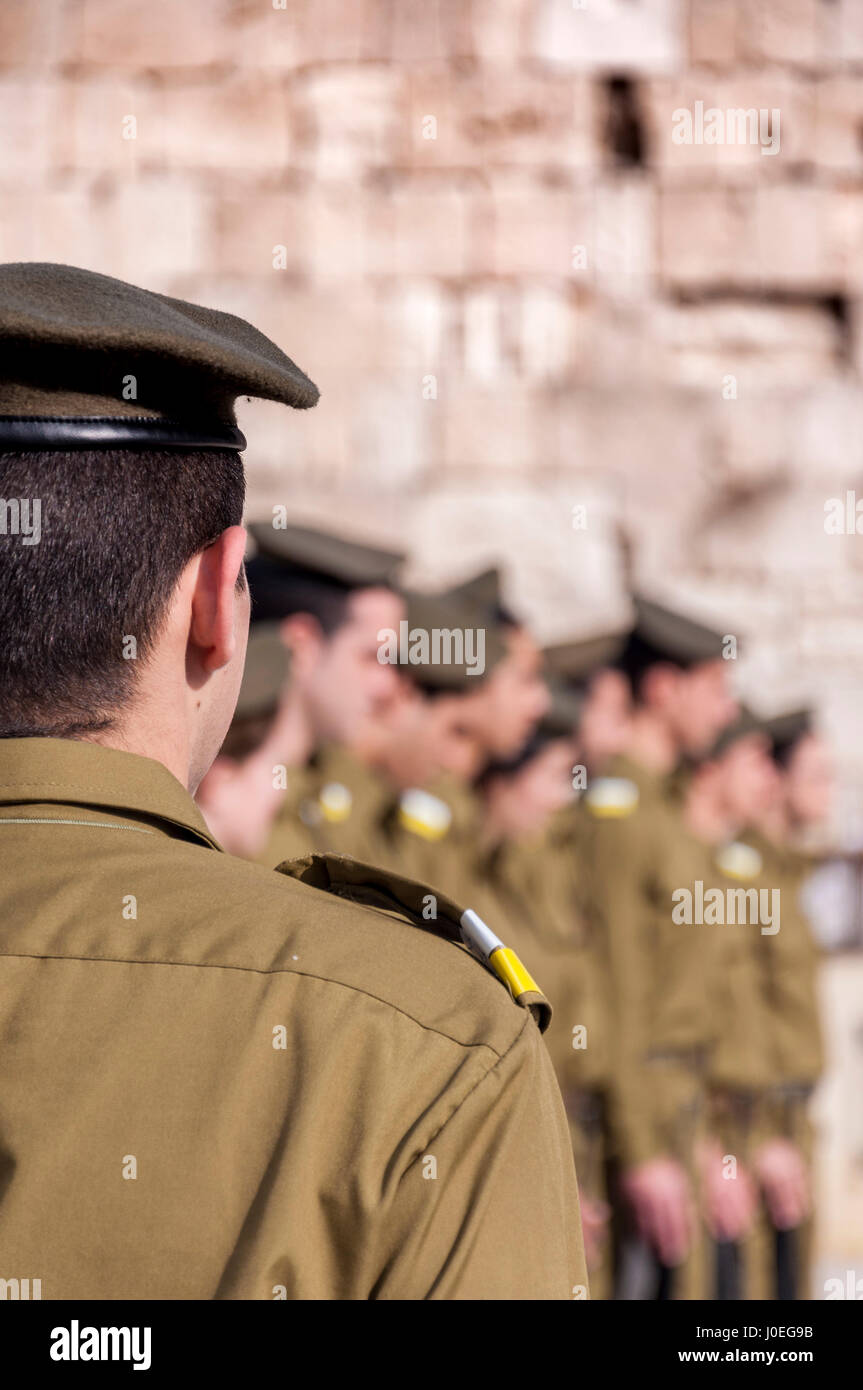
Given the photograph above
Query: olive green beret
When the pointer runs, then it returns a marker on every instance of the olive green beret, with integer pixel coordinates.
(448, 613)
(788, 728)
(266, 670)
(484, 590)
(564, 712)
(87, 361)
(576, 661)
(330, 557)
(746, 724)
(661, 634)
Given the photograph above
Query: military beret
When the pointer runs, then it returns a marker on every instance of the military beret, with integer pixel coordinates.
(564, 712)
(576, 661)
(785, 730)
(745, 725)
(347, 563)
(661, 634)
(266, 670)
(90, 362)
(484, 590)
(448, 614)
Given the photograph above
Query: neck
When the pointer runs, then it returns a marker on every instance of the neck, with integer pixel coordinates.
(151, 730)
(291, 737)
(708, 820)
(651, 743)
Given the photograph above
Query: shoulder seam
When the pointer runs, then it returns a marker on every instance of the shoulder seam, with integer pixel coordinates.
(254, 970)
(501, 1057)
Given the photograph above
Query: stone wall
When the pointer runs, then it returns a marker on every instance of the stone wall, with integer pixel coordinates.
(471, 223)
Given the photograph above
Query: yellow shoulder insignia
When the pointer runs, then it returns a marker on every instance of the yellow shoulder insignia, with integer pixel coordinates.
(424, 814)
(611, 796)
(738, 860)
(483, 943)
(335, 801)
(390, 892)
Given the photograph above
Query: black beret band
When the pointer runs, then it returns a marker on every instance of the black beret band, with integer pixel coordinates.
(20, 433)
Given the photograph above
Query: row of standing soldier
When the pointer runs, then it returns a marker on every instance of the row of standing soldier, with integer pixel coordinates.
(572, 798)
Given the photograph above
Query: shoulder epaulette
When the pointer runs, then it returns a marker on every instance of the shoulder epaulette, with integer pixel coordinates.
(739, 860)
(609, 797)
(335, 801)
(379, 888)
(423, 814)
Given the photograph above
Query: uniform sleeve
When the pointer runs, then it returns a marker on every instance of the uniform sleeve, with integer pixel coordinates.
(490, 1208)
(620, 904)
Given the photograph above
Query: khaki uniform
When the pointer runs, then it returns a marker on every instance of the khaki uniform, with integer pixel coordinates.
(435, 837)
(789, 974)
(335, 805)
(220, 1082)
(741, 1063)
(526, 890)
(660, 975)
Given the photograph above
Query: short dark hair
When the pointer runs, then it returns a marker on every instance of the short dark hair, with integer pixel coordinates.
(118, 528)
(279, 591)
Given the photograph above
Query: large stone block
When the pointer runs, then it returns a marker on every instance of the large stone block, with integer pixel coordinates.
(540, 229)
(423, 31)
(30, 126)
(113, 125)
(785, 32)
(64, 224)
(351, 120)
(259, 232)
(36, 35)
(741, 127)
(160, 34)
(240, 123)
(142, 242)
(610, 35)
(495, 117)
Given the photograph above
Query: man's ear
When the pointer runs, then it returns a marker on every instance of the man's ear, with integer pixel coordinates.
(212, 629)
(660, 684)
(303, 635)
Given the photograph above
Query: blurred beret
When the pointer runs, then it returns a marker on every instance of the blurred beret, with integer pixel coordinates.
(324, 555)
(785, 730)
(745, 725)
(450, 612)
(576, 661)
(266, 670)
(485, 590)
(564, 712)
(88, 362)
(661, 634)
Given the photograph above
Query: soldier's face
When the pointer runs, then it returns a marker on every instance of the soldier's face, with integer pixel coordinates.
(751, 779)
(603, 729)
(348, 685)
(809, 781)
(525, 802)
(515, 697)
(704, 706)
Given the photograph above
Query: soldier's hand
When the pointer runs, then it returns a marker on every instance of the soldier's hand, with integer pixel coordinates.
(781, 1170)
(661, 1197)
(729, 1202)
(594, 1224)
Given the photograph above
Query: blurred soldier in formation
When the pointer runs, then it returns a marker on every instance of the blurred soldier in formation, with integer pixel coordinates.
(564, 797)
(302, 788)
(734, 783)
(789, 983)
(640, 851)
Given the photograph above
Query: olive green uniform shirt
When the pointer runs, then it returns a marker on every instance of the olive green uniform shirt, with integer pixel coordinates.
(659, 972)
(220, 1082)
(335, 805)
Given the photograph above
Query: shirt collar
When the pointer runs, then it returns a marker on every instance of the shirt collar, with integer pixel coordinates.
(74, 773)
